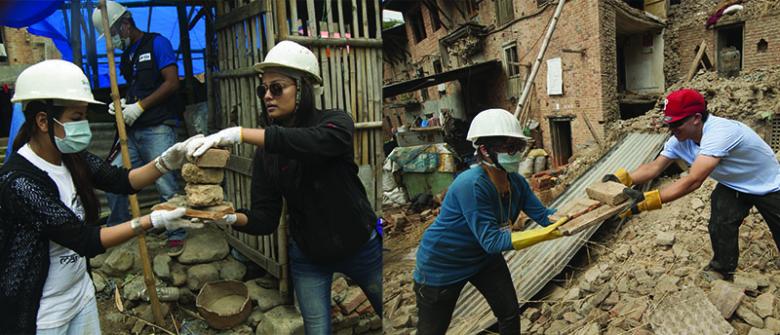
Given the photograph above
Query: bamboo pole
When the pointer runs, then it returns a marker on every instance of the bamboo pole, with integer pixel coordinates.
(542, 50)
(75, 32)
(136, 211)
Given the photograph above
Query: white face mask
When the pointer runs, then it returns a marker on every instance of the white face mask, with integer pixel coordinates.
(119, 42)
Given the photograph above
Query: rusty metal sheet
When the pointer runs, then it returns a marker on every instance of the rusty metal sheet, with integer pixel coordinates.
(533, 267)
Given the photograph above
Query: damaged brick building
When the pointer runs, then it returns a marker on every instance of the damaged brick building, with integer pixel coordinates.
(607, 60)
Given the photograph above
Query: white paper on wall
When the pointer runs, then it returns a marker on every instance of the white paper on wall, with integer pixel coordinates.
(554, 77)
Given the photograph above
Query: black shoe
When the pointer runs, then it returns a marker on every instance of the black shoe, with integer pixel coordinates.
(711, 274)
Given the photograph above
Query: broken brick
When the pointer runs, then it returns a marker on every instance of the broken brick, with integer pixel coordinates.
(213, 158)
(193, 174)
(610, 192)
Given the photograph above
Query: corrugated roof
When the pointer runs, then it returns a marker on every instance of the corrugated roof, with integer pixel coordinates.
(533, 267)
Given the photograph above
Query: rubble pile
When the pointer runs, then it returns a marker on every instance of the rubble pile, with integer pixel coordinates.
(633, 272)
(753, 98)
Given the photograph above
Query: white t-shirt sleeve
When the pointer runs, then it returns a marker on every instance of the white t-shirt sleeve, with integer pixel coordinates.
(720, 141)
(671, 149)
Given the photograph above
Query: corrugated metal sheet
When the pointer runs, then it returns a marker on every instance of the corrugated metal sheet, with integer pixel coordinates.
(532, 268)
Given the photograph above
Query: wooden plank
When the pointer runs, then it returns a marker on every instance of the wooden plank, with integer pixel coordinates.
(259, 258)
(245, 71)
(336, 42)
(592, 218)
(695, 64)
(239, 14)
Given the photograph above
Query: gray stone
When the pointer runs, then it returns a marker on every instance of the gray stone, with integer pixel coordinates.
(135, 289)
(696, 204)
(254, 318)
(745, 313)
(726, 297)
(203, 195)
(194, 175)
(178, 274)
(765, 305)
(119, 261)
(590, 329)
(772, 324)
(264, 298)
(557, 327)
(97, 261)
(200, 274)
(232, 269)
(99, 281)
(162, 266)
(664, 238)
(204, 246)
(571, 317)
(363, 326)
(757, 331)
(667, 283)
(268, 282)
(746, 282)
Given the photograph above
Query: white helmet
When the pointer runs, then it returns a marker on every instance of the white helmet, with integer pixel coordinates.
(291, 55)
(53, 79)
(495, 122)
(115, 11)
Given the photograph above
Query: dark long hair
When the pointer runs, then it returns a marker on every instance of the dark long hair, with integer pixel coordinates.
(75, 162)
(304, 115)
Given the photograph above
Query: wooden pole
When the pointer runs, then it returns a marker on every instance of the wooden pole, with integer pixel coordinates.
(136, 211)
(75, 31)
(184, 47)
(542, 49)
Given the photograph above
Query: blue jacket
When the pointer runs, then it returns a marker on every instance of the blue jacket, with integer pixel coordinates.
(472, 226)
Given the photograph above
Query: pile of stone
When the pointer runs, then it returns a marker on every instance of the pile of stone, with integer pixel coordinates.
(203, 178)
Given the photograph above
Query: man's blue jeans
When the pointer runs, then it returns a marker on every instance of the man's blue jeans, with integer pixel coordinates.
(312, 282)
(144, 145)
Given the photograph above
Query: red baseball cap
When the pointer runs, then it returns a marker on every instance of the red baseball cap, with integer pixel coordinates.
(683, 103)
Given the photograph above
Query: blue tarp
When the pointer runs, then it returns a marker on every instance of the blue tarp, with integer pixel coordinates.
(47, 18)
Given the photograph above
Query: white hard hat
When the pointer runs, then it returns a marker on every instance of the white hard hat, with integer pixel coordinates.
(495, 122)
(53, 79)
(291, 55)
(115, 11)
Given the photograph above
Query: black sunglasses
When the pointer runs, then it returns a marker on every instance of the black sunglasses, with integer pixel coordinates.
(276, 88)
(680, 122)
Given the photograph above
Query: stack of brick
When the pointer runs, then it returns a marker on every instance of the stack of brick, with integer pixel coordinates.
(203, 177)
(351, 311)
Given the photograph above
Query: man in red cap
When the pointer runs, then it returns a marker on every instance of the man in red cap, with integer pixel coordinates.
(728, 151)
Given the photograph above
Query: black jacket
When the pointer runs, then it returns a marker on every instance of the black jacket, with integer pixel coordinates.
(31, 215)
(330, 216)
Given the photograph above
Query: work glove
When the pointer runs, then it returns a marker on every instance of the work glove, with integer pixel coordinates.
(641, 202)
(173, 158)
(224, 137)
(172, 220)
(525, 239)
(131, 113)
(620, 176)
(226, 220)
(111, 109)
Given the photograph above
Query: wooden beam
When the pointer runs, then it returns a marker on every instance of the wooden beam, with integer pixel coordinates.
(239, 14)
(336, 42)
(75, 32)
(696, 60)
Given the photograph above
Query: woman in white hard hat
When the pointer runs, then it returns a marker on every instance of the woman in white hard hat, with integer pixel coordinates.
(306, 156)
(48, 207)
(465, 242)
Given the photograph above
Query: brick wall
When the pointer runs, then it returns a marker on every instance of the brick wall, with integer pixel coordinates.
(25, 48)
(768, 29)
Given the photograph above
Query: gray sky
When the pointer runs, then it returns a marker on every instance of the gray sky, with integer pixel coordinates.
(388, 15)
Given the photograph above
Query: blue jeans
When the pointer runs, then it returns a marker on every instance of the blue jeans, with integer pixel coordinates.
(144, 145)
(86, 322)
(312, 282)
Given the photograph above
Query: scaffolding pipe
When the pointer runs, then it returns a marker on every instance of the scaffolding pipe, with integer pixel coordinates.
(535, 68)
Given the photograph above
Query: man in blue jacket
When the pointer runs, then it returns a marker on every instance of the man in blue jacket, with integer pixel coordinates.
(149, 67)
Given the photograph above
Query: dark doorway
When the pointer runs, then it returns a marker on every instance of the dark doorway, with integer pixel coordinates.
(632, 110)
(560, 132)
(730, 50)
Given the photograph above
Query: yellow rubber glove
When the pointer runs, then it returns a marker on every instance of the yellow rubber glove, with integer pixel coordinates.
(650, 200)
(525, 239)
(620, 176)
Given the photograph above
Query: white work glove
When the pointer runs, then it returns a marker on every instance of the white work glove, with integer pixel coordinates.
(131, 113)
(227, 220)
(224, 137)
(172, 220)
(111, 109)
(173, 158)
